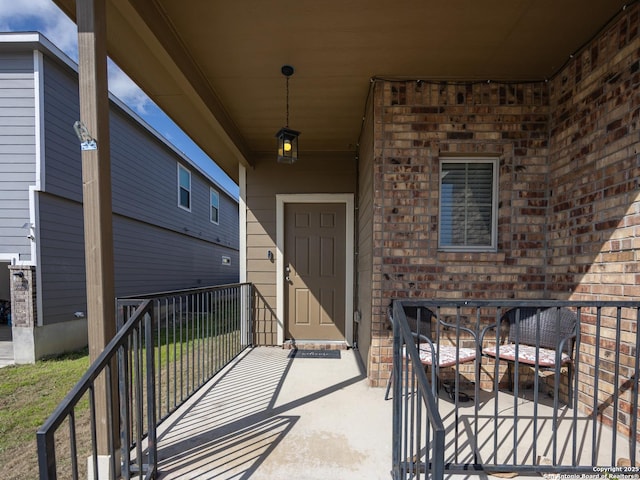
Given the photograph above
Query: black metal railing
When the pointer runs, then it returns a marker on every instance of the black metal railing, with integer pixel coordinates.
(539, 401)
(168, 345)
(418, 431)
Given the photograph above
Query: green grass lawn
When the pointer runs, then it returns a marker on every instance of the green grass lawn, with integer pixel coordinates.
(28, 395)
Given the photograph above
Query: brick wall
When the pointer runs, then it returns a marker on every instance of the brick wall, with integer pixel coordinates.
(417, 124)
(569, 185)
(594, 214)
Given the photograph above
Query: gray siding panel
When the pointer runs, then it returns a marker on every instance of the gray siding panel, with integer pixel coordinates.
(11, 62)
(147, 259)
(154, 259)
(15, 92)
(8, 122)
(16, 99)
(17, 130)
(14, 194)
(143, 169)
(157, 245)
(62, 259)
(63, 161)
(17, 151)
(17, 111)
(145, 186)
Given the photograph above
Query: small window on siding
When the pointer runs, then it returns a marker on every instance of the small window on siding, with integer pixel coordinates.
(468, 204)
(184, 188)
(215, 205)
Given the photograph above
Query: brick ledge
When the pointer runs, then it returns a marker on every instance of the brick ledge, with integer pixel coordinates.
(471, 257)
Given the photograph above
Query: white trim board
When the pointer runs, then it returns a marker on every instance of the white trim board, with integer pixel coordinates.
(242, 214)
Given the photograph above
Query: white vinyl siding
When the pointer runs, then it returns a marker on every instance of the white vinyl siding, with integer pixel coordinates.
(468, 199)
(184, 188)
(214, 198)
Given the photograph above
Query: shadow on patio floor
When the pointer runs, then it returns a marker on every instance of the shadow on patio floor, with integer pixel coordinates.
(269, 416)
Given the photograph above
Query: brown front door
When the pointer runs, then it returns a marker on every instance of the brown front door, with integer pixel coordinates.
(314, 266)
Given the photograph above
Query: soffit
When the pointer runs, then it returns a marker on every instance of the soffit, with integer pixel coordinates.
(214, 66)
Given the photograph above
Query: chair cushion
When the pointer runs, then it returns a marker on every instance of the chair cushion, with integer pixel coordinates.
(527, 354)
(447, 355)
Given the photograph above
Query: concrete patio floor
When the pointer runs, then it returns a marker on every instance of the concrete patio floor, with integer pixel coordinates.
(512, 430)
(268, 416)
(273, 417)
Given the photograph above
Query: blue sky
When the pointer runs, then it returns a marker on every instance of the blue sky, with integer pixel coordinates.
(45, 17)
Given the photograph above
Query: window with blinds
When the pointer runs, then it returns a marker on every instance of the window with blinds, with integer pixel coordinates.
(468, 199)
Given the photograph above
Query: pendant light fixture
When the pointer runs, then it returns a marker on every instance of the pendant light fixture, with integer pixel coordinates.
(287, 138)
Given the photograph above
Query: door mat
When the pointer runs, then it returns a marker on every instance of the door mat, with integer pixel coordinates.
(297, 353)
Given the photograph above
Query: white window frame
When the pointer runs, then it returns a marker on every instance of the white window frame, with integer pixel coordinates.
(187, 208)
(213, 191)
(492, 247)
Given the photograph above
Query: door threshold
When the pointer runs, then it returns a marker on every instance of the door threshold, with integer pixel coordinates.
(315, 345)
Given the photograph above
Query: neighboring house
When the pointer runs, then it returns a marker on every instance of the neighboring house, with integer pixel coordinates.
(174, 226)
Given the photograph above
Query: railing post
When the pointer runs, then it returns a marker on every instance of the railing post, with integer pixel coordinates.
(635, 389)
(245, 316)
(46, 456)
(152, 445)
(438, 448)
(125, 411)
(397, 399)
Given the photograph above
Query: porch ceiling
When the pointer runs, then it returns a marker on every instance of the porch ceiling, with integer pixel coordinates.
(214, 66)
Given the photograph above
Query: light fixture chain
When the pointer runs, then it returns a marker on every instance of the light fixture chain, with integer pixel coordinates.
(287, 123)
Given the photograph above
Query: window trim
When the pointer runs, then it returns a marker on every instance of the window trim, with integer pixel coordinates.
(211, 191)
(493, 247)
(180, 168)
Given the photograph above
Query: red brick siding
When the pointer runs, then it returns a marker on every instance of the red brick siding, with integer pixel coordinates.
(416, 125)
(593, 202)
(568, 216)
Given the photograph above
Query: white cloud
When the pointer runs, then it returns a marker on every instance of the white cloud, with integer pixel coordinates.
(39, 8)
(127, 91)
(44, 16)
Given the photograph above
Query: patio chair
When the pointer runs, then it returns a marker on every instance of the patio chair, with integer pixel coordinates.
(544, 336)
(419, 319)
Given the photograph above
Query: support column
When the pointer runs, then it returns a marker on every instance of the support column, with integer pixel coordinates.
(96, 177)
(23, 313)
